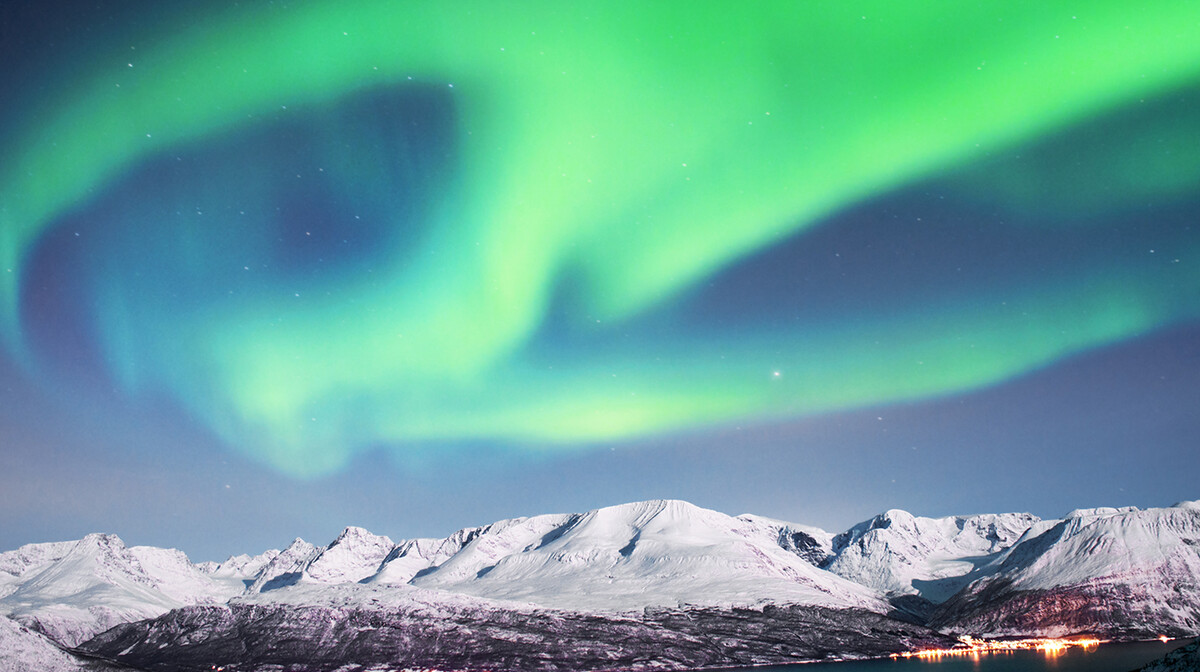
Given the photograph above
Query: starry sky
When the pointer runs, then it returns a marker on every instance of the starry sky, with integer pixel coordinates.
(268, 269)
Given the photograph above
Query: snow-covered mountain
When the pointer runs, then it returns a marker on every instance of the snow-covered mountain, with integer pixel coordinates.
(355, 555)
(621, 558)
(811, 543)
(414, 556)
(646, 581)
(99, 583)
(23, 650)
(286, 567)
(239, 566)
(633, 556)
(1114, 572)
(898, 553)
(19, 565)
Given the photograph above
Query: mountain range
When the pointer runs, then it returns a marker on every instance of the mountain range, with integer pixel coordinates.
(649, 585)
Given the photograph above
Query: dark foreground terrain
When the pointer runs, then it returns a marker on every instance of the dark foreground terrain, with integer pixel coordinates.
(310, 639)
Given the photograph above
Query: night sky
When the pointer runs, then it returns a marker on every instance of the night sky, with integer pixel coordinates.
(269, 269)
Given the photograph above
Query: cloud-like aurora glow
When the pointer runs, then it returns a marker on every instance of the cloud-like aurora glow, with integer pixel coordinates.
(600, 165)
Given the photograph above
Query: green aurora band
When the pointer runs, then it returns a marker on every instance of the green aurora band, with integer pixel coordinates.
(631, 150)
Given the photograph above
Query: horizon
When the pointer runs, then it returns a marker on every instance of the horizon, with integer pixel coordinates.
(269, 271)
(320, 543)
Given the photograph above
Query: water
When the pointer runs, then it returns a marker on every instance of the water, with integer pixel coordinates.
(1104, 658)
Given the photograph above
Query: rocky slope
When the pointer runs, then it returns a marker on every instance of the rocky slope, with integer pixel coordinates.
(900, 554)
(99, 583)
(1183, 659)
(1117, 573)
(395, 628)
(660, 583)
(23, 650)
(20, 565)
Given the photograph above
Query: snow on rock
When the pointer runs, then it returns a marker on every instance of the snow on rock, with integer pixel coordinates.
(368, 627)
(481, 548)
(1127, 543)
(898, 553)
(23, 650)
(412, 557)
(1100, 511)
(286, 568)
(241, 567)
(1115, 572)
(417, 557)
(1125, 572)
(632, 556)
(375, 597)
(355, 555)
(27, 560)
(97, 584)
(176, 577)
(1183, 659)
(811, 543)
(32, 556)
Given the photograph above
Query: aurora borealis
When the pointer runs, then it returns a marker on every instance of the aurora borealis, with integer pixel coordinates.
(323, 231)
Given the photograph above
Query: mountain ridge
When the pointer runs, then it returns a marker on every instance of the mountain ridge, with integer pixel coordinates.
(1123, 573)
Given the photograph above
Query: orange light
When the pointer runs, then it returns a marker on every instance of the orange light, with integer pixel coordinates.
(1164, 639)
(975, 647)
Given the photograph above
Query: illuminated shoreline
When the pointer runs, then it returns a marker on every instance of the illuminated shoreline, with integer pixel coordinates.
(978, 647)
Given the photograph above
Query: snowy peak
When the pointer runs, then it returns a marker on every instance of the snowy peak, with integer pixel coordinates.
(481, 550)
(21, 564)
(1100, 512)
(240, 566)
(882, 521)
(174, 575)
(352, 535)
(1122, 542)
(286, 568)
(620, 529)
(812, 544)
(997, 531)
(100, 582)
(33, 556)
(642, 515)
(410, 558)
(1142, 565)
(631, 556)
(355, 555)
(898, 553)
(984, 533)
(95, 559)
(991, 574)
